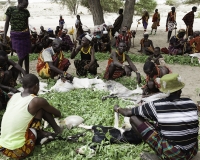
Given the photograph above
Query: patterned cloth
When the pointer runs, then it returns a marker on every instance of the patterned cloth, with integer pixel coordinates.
(171, 19)
(164, 148)
(195, 44)
(124, 38)
(29, 144)
(189, 20)
(43, 69)
(21, 43)
(171, 26)
(18, 18)
(174, 41)
(80, 71)
(67, 43)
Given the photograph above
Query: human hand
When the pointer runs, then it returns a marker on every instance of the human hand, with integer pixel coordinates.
(145, 91)
(14, 90)
(138, 77)
(70, 77)
(127, 70)
(116, 107)
(86, 67)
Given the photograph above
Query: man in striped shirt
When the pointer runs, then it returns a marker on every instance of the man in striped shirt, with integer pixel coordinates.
(174, 134)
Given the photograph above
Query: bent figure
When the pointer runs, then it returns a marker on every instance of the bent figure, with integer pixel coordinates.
(177, 44)
(8, 76)
(146, 45)
(20, 127)
(152, 72)
(189, 20)
(116, 68)
(51, 62)
(87, 63)
(155, 58)
(170, 135)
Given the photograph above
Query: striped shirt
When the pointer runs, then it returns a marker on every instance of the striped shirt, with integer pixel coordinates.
(177, 120)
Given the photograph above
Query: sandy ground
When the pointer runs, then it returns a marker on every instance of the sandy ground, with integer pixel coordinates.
(47, 14)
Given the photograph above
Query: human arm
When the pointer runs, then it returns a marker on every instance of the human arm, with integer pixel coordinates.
(144, 111)
(167, 20)
(14, 90)
(17, 66)
(151, 44)
(6, 28)
(133, 68)
(75, 50)
(115, 60)
(39, 103)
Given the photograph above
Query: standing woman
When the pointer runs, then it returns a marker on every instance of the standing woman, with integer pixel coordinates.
(18, 16)
(145, 19)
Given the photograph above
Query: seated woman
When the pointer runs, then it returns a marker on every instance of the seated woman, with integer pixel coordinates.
(146, 45)
(88, 63)
(67, 43)
(153, 71)
(116, 68)
(51, 62)
(177, 44)
(105, 45)
(155, 58)
(8, 77)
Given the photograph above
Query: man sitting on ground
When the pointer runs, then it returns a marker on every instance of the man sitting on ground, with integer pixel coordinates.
(105, 45)
(87, 63)
(20, 126)
(116, 68)
(153, 72)
(8, 76)
(155, 58)
(175, 133)
(51, 62)
(146, 45)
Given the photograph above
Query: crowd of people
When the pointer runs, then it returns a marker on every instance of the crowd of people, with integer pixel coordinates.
(175, 132)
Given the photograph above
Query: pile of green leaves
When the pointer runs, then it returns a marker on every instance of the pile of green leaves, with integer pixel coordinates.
(89, 105)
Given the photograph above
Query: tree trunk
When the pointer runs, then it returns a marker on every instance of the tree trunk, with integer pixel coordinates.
(128, 13)
(97, 11)
(8, 1)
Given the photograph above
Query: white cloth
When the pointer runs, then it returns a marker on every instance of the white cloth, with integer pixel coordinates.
(47, 54)
(170, 26)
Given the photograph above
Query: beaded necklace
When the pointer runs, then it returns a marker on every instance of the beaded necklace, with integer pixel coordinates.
(88, 51)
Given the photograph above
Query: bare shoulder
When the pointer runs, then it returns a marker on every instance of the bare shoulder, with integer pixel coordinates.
(38, 101)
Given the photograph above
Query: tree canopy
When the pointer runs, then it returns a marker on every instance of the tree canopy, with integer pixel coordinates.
(107, 5)
(143, 5)
(192, 2)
